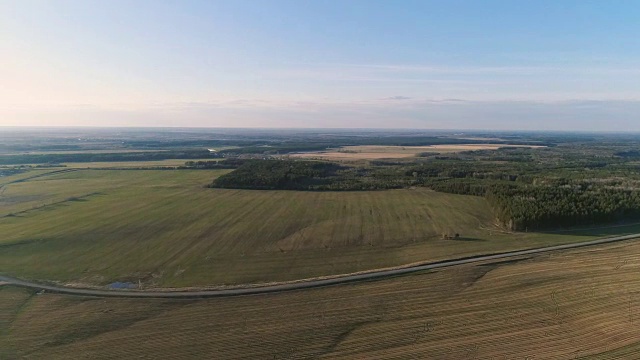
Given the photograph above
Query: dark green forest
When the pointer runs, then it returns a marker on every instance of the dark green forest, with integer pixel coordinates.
(303, 175)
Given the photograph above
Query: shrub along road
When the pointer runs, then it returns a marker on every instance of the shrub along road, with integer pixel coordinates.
(304, 284)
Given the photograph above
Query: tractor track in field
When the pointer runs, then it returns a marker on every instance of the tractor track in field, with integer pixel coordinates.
(304, 284)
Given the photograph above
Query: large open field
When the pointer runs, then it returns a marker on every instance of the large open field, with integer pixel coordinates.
(162, 228)
(580, 304)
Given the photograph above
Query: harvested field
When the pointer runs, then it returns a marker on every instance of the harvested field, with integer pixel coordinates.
(374, 152)
(574, 304)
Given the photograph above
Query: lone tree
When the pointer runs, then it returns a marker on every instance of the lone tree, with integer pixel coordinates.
(446, 236)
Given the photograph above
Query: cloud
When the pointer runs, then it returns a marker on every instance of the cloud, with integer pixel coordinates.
(397, 97)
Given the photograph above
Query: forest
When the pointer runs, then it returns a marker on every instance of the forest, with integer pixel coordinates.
(303, 175)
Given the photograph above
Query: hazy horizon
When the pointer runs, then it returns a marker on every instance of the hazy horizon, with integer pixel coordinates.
(423, 65)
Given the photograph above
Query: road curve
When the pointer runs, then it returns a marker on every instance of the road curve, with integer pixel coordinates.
(340, 279)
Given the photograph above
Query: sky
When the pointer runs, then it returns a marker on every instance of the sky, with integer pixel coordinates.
(494, 65)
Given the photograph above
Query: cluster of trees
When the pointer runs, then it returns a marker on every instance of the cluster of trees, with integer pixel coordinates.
(458, 170)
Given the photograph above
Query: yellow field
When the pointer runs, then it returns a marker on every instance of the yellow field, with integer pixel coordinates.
(374, 152)
(575, 304)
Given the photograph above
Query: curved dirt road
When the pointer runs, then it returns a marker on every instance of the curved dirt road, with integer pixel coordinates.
(340, 279)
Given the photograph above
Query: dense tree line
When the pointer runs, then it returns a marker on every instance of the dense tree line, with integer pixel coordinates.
(231, 163)
(278, 174)
(539, 207)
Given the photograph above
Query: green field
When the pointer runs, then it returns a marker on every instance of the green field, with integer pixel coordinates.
(163, 228)
(578, 304)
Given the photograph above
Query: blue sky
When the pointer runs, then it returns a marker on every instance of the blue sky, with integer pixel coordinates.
(534, 65)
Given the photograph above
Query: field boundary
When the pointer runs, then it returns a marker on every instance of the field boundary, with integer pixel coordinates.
(55, 172)
(305, 284)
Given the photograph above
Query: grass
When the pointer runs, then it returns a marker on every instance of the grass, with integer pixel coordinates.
(574, 304)
(164, 229)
